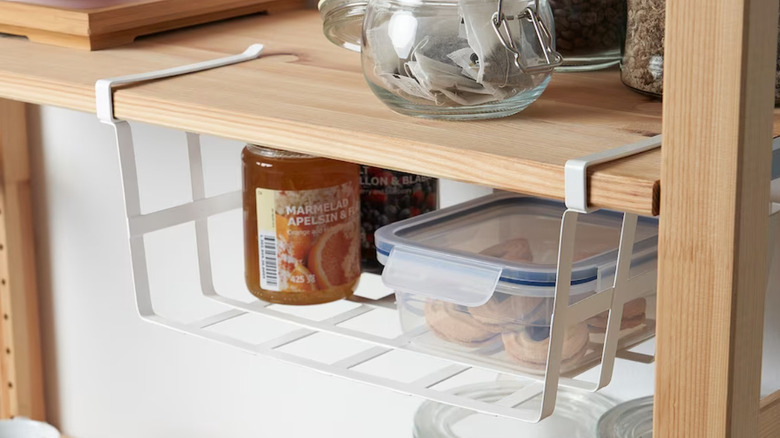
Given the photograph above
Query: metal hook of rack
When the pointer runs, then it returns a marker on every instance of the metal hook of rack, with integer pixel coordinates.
(138, 223)
(576, 170)
(611, 299)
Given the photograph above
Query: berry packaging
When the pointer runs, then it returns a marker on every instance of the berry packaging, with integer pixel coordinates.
(477, 280)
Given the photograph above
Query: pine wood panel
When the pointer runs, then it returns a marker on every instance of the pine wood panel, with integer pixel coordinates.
(102, 27)
(21, 373)
(719, 76)
(311, 97)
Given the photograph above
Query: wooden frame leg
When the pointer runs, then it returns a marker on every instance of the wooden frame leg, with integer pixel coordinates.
(718, 99)
(21, 373)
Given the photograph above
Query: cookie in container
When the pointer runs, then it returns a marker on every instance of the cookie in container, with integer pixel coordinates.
(477, 280)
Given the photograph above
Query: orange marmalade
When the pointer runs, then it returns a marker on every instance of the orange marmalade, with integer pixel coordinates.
(301, 226)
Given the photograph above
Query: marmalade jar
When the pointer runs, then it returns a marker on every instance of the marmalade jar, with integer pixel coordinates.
(458, 59)
(301, 226)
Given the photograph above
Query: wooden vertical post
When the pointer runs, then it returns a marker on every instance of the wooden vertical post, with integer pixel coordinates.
(21, 374)
(718, 98)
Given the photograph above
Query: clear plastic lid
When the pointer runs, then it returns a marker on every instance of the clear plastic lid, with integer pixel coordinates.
(342, 21)
(632, 419)
(575, 416)
(506, 243)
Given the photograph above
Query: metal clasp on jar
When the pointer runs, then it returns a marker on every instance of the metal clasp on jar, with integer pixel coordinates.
(500, 23)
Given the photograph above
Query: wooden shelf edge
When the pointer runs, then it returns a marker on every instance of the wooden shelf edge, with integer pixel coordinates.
(43, 92)
(623, 193)
(607, 191)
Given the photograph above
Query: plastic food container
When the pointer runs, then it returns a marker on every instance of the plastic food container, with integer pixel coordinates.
(632, 419)
(477, 280)
(576, 414)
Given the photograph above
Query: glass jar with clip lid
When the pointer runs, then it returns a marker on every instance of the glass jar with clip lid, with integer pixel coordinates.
(458, 59)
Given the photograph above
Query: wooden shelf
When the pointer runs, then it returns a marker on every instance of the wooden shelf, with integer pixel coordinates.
(308, 95)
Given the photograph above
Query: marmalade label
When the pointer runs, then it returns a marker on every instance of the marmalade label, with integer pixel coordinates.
(308, 239)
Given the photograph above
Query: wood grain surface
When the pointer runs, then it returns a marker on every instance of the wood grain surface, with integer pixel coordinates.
(719, 71)
(308, 95)
(77, 25)
(21, 368)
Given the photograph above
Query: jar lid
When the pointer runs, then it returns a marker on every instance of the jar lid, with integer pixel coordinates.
(342, 21)
(575, 416)
(276, 153)
(632, 419)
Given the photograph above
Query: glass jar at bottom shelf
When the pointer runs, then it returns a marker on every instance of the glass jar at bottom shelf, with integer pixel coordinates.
(632, 419)
(449, 59)
(301, 226)
(575, 416)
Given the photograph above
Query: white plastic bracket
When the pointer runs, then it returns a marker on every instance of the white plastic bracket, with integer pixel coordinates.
(576, 170)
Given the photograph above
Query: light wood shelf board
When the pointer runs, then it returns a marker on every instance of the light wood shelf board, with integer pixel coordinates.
(118, 24)
(308, 95)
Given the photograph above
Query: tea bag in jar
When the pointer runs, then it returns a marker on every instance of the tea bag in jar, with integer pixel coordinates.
(439, 63)
(446, 79)
(390, 68)
(431, 66)
(469, 63)
(425, 70)
(494, 61)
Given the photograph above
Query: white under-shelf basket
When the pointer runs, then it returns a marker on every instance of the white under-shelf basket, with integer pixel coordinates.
(370, 343)
(432, 372)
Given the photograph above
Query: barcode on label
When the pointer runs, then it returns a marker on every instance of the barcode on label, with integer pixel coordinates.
(269, 265)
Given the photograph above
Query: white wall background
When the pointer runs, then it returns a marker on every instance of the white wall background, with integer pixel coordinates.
(110, 374)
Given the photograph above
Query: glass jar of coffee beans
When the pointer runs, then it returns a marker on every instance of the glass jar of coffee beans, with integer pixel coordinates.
(589, 33)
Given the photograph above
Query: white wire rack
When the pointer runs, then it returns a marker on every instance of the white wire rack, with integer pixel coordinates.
(532, 403)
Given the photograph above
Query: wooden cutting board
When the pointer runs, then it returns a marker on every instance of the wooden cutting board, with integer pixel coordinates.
(100, 24)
